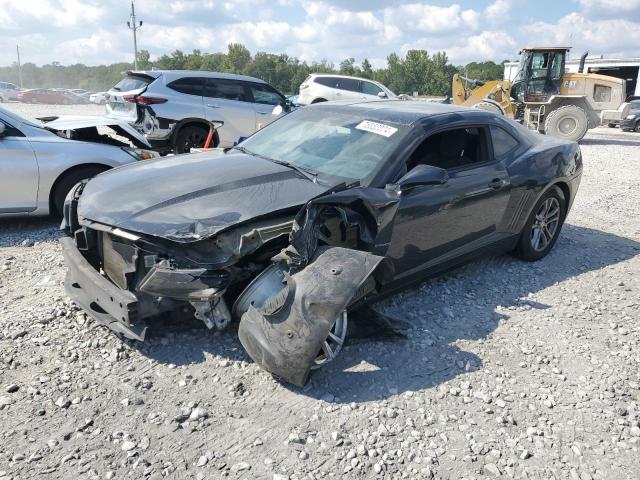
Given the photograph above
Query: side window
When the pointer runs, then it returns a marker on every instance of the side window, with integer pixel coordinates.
(188, 85)
(226, 89)
(635, 105)
(452, 149)
(502, 141)
(327, 81)
(601, 93)
(369, 88)
(265, 94)
(349, 84)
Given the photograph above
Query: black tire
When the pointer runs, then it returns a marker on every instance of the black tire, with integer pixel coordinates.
(611, 125)
(525, 248)
(67, 182)
(190, 137)
(569, 123)
(489, 107)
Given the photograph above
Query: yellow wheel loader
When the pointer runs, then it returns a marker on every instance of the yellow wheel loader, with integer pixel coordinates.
(543, 96)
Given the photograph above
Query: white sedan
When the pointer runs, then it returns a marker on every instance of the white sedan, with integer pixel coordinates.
(40, 160)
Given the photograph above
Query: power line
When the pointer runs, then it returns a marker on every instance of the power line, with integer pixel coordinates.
(134, 26)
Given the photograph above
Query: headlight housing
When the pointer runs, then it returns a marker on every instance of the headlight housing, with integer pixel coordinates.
(632, 116)
(141, 153)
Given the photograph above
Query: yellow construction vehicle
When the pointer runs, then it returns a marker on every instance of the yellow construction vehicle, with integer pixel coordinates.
(543, 96)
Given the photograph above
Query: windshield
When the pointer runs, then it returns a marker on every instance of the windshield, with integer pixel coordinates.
(15, 117)
(328, 143)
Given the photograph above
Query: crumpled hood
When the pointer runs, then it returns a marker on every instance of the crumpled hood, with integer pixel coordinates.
(73, 122)
(190, 197)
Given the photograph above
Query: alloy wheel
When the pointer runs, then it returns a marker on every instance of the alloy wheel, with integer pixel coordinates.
(545, 224)
(331, 347)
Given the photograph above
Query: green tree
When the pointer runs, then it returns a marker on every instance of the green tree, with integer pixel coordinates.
(238, 57)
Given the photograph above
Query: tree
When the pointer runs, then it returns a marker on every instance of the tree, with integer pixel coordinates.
(144, 60)
(238, 57)
(367, 70)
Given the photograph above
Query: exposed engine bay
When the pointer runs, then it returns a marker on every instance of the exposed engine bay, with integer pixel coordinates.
(289, 279)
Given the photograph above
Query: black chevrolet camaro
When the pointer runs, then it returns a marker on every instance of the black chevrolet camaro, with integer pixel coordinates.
(323, 211)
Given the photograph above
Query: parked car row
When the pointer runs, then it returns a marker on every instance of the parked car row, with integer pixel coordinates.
(174, 109)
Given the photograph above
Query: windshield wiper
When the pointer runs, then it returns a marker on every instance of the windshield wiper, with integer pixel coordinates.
(308, 174)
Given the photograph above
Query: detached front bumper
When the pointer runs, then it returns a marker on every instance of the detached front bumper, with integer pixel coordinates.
(109, 305)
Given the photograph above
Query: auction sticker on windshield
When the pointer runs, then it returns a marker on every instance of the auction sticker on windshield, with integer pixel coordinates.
(377, 128)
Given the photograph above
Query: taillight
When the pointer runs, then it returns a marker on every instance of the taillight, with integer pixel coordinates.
(141, 100)
(150, 100)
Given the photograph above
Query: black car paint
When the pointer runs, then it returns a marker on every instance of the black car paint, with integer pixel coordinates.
(421, 231)
(196, 196)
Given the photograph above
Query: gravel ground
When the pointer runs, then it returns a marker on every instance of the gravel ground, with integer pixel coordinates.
(508, 370)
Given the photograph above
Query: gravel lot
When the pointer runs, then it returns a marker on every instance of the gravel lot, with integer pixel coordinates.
(508, 369)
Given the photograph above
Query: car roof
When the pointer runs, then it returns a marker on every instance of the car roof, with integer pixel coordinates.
(175, 74)
(405, 112)
(342, 76)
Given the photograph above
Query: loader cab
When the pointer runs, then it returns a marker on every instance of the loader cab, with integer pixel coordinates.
(539, 74)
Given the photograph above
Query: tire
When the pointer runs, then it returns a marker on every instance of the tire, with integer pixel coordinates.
(569, 123)
(67, 182)
(611, 125)
(489, 107)
(190, 137)
(529, 247)
(637, 128)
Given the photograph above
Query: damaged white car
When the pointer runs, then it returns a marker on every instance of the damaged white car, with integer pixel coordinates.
(40, 160)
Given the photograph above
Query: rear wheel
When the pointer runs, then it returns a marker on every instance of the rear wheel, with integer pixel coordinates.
(543, 226)
(67, 182)
(569, 122)
(190, 137)
(611, 125)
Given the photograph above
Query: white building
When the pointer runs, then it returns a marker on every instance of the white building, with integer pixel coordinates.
(626, 68)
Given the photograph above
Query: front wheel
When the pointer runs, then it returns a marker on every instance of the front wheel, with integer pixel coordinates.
(569, 123)
(543, 226)
(68, 181)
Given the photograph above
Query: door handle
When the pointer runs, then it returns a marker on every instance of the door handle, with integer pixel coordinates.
(212, 105)
(263, 113)
(497, 183)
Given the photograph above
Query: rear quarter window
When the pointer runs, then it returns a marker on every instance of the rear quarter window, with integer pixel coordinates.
(327, 81)
(503, 142)
(188, 85)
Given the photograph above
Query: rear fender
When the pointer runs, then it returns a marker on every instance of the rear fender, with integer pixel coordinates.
(284, 336)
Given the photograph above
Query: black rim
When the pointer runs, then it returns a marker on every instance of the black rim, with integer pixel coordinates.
(193, 140)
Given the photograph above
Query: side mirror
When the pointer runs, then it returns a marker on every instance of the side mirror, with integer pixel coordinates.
(278, 110)
(3, 129)
(382, 95)
(422, 175)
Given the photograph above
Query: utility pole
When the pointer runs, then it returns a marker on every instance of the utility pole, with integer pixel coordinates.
(134, 26)
(19, 66)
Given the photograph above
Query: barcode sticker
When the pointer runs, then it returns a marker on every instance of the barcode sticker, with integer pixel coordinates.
(377, 128)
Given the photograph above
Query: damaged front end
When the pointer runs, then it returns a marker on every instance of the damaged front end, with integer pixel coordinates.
(123, 278)
(291, 278)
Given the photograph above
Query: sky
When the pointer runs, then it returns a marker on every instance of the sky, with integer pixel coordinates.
(94, 32)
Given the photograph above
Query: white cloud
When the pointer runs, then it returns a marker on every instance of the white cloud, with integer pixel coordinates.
(611, 36)
(94, 31)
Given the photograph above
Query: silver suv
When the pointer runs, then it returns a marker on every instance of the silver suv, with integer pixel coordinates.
(175, 108)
